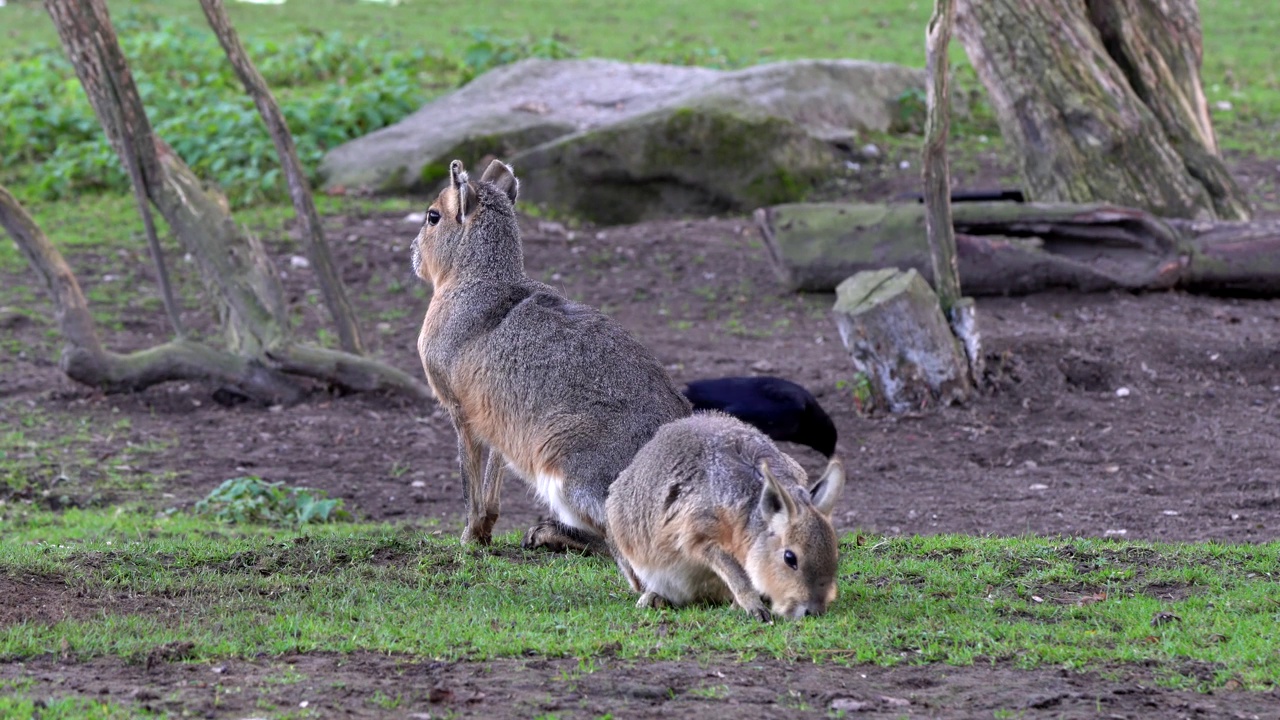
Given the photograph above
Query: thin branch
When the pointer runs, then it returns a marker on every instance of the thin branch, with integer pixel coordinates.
(937, 171)
(86, 361)
(352, 372)
(112, 110)
(299, 188)
(153, 241)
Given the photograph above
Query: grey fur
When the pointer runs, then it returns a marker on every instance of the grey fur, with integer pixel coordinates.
(558, 380)
(698, 513)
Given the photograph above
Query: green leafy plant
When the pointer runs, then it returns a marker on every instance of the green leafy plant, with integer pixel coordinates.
(910, 111)
(331, 90)
(488, 50)
(252, 500)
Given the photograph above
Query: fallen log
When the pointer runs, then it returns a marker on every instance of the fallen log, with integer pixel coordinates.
(1021, 248)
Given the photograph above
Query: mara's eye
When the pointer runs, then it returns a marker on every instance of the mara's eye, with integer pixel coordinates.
(433, 217)
(790, 558)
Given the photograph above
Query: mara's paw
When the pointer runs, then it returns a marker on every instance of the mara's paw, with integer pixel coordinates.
(476, 536)
(758, 611)
(653, 600)
(479, 531)
(546, 535)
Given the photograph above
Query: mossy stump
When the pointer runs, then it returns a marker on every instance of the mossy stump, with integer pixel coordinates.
(892, 325)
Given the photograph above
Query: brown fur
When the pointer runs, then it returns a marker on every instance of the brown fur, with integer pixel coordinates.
(553, 389)
(710, 510)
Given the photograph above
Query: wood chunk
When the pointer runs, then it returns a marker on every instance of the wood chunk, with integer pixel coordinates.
(892, 325)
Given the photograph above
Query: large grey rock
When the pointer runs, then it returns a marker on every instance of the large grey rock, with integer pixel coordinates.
(616, 142)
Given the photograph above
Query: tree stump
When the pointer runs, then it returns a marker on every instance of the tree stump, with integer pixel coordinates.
(892, 325)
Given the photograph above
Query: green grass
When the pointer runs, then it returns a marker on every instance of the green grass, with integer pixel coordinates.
(70, 708)
(236, 591)
(665, 30)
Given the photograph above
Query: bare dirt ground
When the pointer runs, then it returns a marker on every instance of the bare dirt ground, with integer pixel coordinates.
(1144, 417)
(365, 685)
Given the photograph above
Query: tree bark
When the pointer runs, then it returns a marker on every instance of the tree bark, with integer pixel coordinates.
(1011, 248)
(86, 361)
(313, 239)
(936, 169)
(962, 316)
(1082, 131)
(1158, 45)
(234, 265)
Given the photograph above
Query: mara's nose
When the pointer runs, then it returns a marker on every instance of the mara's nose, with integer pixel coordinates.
(814, 609)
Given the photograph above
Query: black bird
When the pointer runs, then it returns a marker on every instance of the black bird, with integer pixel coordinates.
(780, 408)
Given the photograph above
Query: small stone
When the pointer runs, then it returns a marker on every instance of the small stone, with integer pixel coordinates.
(297, 261)
(1122, 392)
(1172, 513)
(415, 218)
(849, 705)
(417, 484)
(1039, 486)
(904, 165)
(870, 151)
(1120, 532)
(762, 366)
(1224, 105)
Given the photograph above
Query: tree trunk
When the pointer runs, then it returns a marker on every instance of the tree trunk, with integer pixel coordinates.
(234, 265)
(299, 189)
(1082, 130)
(961, 313)
(1157, 44)
(1012, 248)
(86, 361)
(228, 260)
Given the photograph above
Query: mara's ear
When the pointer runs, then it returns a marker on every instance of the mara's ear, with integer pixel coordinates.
(461, 184)
(827, 490)
(503, 177)
(776, 504)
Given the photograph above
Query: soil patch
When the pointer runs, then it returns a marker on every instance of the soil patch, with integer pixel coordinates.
(369, 685)
(48, 599)
(1186, 452)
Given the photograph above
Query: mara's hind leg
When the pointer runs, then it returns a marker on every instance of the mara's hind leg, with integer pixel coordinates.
(555, 536)
(651, 599)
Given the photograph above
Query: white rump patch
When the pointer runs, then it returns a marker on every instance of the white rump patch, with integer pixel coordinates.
(551, 489)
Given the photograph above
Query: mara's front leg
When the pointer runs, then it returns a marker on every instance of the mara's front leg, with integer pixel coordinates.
(734, 576)
(490, 497)
(470, 452)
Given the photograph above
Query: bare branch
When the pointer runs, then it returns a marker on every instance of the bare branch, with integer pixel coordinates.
(86, 361)
(317, 248)
(937, 170)
(345, 370)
